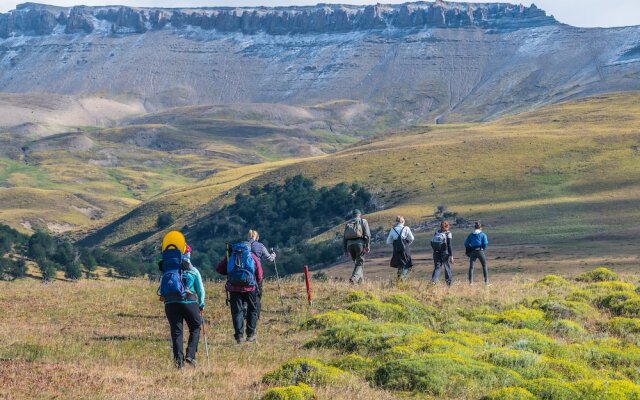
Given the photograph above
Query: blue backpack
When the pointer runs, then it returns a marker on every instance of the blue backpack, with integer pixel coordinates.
(241, 268)
(171, 285)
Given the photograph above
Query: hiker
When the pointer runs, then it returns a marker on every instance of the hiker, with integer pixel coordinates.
(442, 254)
(475, 245)
(244, 275)
(187, 307)
(355, 242)
(401, 237)
(260, 251)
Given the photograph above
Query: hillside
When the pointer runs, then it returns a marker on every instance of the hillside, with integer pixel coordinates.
(414, 63)
(557, 337)
(561, 176)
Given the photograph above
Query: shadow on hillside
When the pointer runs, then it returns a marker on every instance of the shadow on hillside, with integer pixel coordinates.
(137, 316)
(122, 338)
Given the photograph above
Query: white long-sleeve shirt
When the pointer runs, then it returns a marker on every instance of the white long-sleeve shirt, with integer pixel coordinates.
(407, 235)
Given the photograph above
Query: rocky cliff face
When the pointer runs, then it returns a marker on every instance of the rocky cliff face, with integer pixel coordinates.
(410, 63)
(36, 19)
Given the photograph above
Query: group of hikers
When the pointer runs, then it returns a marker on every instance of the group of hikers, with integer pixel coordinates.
(357, 239)
(182, 291)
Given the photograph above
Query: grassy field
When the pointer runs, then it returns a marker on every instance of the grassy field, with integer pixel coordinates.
(550, 338)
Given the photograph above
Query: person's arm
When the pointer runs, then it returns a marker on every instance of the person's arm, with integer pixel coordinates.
(410, 237)
(485, 241)
(390, 237)
(266, 254)
(367, 233)
(449, 237)
(199, 288)
(221, 268)
(259, 273)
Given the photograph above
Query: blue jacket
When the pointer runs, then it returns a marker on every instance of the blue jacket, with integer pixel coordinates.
(476, 239)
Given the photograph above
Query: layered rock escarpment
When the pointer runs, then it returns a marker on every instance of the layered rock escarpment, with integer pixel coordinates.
(36, 19)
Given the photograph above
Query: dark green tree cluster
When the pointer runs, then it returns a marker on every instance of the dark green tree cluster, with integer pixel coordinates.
(286, 216)
(11, 241)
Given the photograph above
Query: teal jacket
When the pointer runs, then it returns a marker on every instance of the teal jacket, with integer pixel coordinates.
(193, 283)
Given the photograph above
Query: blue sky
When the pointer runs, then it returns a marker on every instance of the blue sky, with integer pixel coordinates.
(584, 13)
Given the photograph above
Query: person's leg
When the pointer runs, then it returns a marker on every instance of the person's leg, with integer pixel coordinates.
(237, 314)
(357, 255)
(472, 260)
(251, 299)
(437, 266)
(404, 272)
(174, 316)
(194, 321)
(485, 269)
(448, 274)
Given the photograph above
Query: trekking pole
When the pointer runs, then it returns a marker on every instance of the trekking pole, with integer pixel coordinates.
(308, 284)
(275, 267)
(206, 345)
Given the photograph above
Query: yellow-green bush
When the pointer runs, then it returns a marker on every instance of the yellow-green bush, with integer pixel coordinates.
(305, 370)
(524, 339)
(414, 311)
(596, 389)
(551, 389)
(445, 375)
(597, 275)
(564, 369)
(522, 317)
(297, 392)
(566, 329)
(565, 309)
(510, 393)
(553, 281)
(375, 309)
(607, 353)
(610, 286)
(334, 318)
(359, 295)
(624, 326)
(623, 303)
(354, 363)
(524, 362)
(365, 337)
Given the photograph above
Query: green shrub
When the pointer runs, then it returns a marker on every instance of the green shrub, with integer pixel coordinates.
(597, 275)
(596, 389)
(607, 353)
(566, 329)
(298, 392)
(565, 309)
(305, 370)
(477, 327)
(358, 295)
(581, 295)
(524, 362)
(624, 326)
(610, 286)
(333, 318)
(623, 303)
(375, 309)
(551, 389)
(446, 375)
(553, 281)
(354, 363)
(522, 317)
(365, 337)
(414, 311)
(510, 393)
(564, 369)
(524, 339)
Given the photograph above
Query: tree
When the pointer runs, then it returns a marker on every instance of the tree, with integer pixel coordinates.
(19, 268)
(73, 271)
(164, 220)
(48, 270)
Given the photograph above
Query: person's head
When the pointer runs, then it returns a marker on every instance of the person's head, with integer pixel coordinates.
(253, 235)
(444, 226)
(400, 219)
(187, 253)
(477, 225)
(356, 213)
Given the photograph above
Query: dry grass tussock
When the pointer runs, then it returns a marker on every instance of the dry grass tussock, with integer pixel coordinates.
(109, 340)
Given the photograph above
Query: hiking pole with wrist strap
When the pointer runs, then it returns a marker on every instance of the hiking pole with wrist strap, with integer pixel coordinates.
(204, 333)
(275, 267)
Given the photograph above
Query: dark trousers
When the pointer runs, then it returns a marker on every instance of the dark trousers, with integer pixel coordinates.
(176, 314)
(440, 261)
(239, 302)
(478, 255)
(356, 250)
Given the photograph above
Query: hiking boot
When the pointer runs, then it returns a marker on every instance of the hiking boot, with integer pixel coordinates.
(251, 338)
(239, 340)
(488, 284)
(191, 361)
